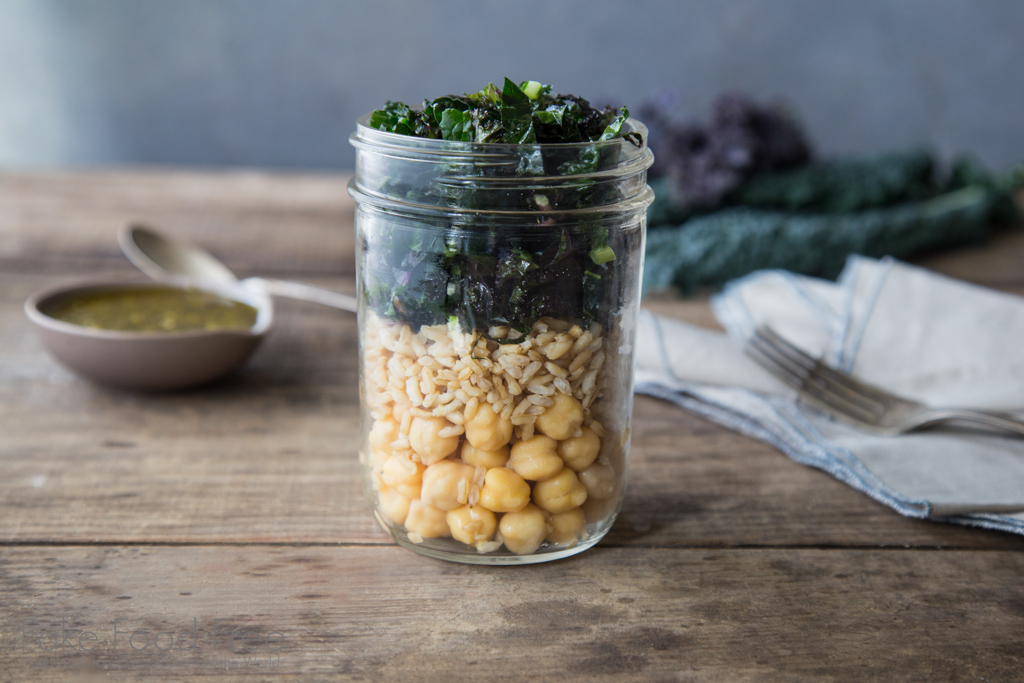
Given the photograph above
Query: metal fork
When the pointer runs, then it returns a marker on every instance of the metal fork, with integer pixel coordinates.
(855, 402)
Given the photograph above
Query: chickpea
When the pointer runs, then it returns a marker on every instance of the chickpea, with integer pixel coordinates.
(383, 432)
(379, 456)
(504, 491)
(579, 452)
(599, 480)
(394, 505)
(446, 485)
(561, 493)
(426, 441)
(565, 527)
(403, 475)
(426, 520)
(535, 459)
(477, 457)
(487, 430)
(561, 420)
(471, 525)
(523, 531)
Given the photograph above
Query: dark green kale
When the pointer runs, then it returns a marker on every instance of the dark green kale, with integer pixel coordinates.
(716, 247)
(521, 114)
(482, 271)
(843, 185)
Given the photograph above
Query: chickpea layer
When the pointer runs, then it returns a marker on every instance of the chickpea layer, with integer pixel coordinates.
(489, 444)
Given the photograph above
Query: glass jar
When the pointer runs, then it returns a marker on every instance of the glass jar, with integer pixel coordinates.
(499, 290)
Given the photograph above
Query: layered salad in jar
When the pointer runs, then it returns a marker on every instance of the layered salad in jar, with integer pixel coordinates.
(497, 325)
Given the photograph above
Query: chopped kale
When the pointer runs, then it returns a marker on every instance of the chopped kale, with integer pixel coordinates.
(481, 270)
(521, 114)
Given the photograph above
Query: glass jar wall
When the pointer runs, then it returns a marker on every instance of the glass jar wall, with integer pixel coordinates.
(499, 289)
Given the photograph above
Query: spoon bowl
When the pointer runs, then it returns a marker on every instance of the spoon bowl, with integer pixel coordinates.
(161, 257)
(148, 361)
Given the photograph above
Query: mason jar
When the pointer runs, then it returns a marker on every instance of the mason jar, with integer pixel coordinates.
(499, 289)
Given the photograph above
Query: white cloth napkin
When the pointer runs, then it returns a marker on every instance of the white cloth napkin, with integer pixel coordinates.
(902, 328)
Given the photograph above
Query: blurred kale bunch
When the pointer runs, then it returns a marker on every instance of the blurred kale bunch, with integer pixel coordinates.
(742, 193)
(704, 161)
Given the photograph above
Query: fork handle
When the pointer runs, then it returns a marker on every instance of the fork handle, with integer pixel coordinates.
(992, 419)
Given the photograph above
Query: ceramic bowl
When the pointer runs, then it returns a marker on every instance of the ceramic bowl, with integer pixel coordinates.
(148, 361)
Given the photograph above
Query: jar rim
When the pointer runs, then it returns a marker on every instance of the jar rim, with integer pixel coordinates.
(445, 171)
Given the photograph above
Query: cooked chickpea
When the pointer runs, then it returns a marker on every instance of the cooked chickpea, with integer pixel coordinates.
(403, 475)
(426, 520)
(446, 484)
(487, 430)
(477, 457)
(561, 493)
(426, 441)
(379, 456)
(565, 527)
(504, 491)
(394, 505)
(579, 452)
(523, 531)
(535, 459)
(561, 420)
(383, 432)
(471, 525)
(599, 480)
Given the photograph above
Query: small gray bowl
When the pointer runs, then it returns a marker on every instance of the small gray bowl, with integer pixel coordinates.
(148, 361)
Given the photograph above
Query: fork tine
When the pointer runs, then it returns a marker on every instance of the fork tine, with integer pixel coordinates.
(854, 390)
(802, 372)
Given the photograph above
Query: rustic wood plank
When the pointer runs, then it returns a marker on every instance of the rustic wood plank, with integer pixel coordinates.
(385, 614)
(269, 456)
(256, 222)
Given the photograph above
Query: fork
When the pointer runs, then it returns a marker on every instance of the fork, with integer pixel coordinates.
(843, 397)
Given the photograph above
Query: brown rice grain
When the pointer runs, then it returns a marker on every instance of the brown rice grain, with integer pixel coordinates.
(580, 360)
(472, 405)
(454, 430)
(556, 370)
(530, 371)
(542, 389)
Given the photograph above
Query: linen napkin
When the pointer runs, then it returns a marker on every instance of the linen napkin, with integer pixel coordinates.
(916, 333)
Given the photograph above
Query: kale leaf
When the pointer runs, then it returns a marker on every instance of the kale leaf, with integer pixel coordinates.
(485, 272)
(518, 114)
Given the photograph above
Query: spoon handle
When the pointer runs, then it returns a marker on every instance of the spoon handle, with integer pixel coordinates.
(297, 290)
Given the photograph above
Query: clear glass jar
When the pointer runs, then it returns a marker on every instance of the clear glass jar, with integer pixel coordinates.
(499, 289)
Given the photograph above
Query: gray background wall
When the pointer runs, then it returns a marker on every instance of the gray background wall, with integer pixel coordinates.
(278, 83)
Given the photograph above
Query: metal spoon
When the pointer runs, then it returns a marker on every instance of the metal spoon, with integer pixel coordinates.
(159, 256)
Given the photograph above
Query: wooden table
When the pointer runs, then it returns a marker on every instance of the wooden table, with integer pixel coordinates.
(222, 532)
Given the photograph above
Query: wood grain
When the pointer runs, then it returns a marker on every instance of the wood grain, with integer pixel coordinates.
(384, 614)
(240, 501)
(255, 222)
(268, 456)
